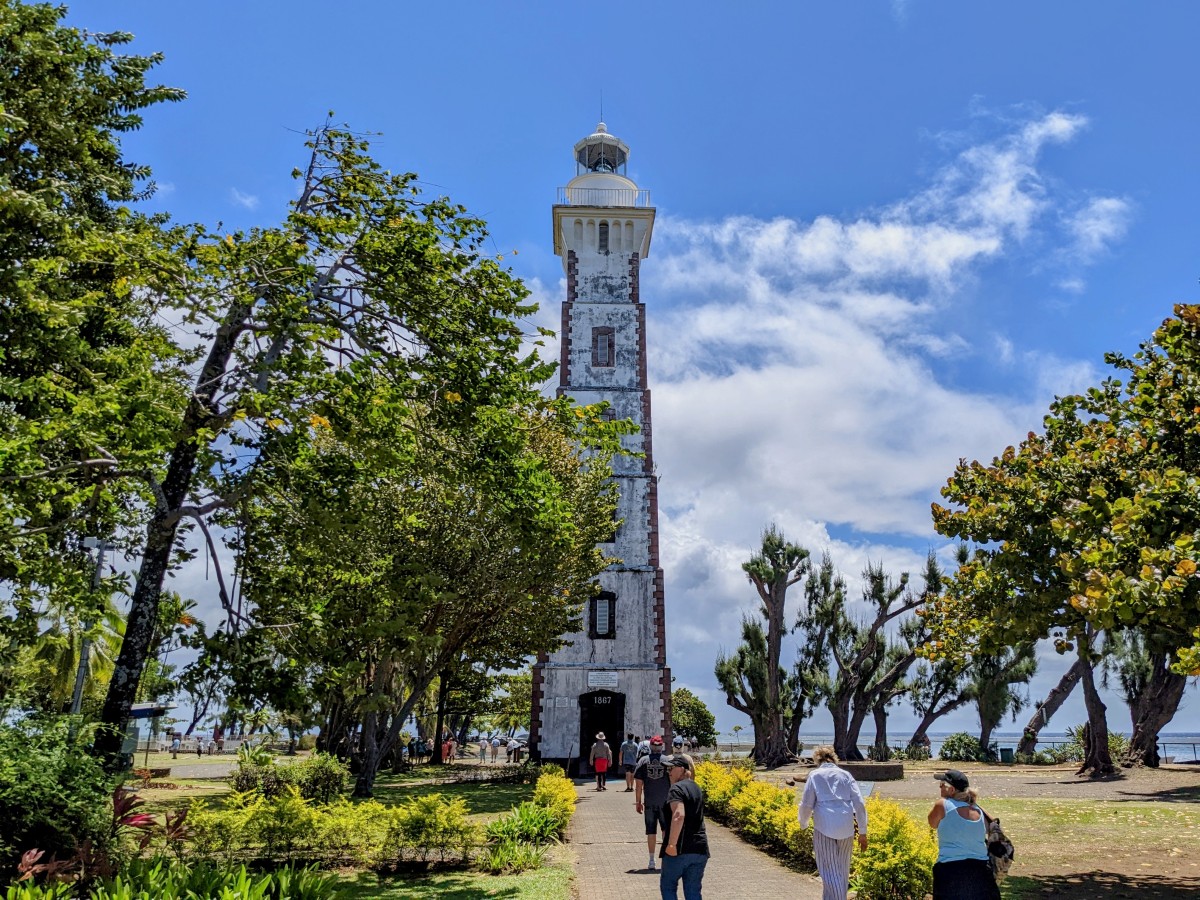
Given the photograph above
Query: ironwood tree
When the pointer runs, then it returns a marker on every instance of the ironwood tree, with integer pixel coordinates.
(1140, 663)
(752, 678)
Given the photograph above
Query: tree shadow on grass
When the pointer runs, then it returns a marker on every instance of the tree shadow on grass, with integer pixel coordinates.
(1186, 794)
(1101, 886)
(444, 886)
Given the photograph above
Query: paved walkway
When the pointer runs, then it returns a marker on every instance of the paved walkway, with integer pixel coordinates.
(608, 836)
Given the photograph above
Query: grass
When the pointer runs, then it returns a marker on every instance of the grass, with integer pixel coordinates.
(1096, 848)
(551, 882)
(483, 798)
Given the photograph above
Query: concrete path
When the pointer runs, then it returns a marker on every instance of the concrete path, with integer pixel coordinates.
(609, 838)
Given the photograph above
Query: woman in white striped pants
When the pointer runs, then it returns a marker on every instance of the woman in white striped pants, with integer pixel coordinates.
(834, 803)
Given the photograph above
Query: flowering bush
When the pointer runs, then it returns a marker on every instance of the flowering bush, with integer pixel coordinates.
(898, 861)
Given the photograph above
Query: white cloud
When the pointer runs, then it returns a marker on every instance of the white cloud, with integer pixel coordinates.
(795, 375)
(1098, 225)
(249, 201)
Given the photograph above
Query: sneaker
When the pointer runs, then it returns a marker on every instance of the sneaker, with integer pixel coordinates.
(650, 865)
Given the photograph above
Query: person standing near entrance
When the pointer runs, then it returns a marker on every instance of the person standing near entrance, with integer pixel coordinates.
(651, 784)
(629, 753)
(600, 757)
(685, 842)
(833, 801)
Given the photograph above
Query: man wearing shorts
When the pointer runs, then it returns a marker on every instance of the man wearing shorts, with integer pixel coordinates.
(629, 755)
(651, 784)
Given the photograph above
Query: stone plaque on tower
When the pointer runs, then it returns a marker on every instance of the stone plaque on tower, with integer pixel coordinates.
(615, 667)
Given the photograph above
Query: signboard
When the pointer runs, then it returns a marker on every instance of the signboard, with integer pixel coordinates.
(561, 702)
(602, 679)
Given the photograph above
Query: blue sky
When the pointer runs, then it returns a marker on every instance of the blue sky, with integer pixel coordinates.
(888, 232)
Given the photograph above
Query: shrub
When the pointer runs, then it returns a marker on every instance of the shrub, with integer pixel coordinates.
(307, 742)
(510, 857)
(53, 795)
(286, 824)
(321, 778)
(898, 861)
(287, 827)
(528, 823)
(429, 824)
(961, 747)
(764, 813)
(719, 785)
(555, 792)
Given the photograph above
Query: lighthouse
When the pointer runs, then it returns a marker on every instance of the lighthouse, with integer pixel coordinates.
(611, 676)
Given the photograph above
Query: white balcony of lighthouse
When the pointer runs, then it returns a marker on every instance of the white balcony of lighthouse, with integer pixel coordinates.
(601, 160)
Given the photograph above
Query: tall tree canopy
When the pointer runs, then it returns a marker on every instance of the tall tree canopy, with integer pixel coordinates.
(90, 383)
(1090, 526)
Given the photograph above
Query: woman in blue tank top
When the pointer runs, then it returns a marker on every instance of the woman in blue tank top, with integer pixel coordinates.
(961, 871)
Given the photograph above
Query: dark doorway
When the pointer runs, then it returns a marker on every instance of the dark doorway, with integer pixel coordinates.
(600, 711)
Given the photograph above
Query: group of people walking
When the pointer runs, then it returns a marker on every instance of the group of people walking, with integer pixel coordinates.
(669, 800)
(832, 800)
(671, 803)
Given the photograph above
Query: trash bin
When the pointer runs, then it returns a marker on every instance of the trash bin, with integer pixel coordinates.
(1006, 754)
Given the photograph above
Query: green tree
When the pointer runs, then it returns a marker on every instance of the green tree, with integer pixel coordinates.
(692, 719)
(382, 557)
(753, 680)
(365, 282)
(867, 667)
(1090, 526)
(996, 686)
(90, 381)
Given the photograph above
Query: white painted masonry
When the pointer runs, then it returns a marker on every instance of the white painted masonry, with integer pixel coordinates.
(616, 682)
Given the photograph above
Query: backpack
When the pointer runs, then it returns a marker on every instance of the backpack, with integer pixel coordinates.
(999, 847)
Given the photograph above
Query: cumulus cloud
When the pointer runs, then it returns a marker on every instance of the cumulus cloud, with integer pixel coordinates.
(248, 201)
(795, 374)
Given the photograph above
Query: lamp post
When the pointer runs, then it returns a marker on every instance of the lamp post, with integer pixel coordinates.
(85, 646)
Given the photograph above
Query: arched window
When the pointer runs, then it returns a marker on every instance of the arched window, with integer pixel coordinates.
(603, 237)
(602, 618)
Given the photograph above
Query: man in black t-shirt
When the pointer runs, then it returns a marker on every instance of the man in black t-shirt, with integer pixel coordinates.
(685, 845)
(651, 784)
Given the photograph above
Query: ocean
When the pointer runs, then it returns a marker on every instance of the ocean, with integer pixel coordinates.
(1183, 746)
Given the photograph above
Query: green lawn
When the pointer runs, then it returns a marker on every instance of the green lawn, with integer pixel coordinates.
(1096, 849)
(483, 799)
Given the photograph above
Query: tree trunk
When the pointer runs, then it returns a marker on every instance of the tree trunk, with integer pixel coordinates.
(985, 737)
(1152, 712)
(443, 689)
(364, 784)
(882, 751)
(850, 741)
(772, 749)
(1048, 707)
(1097, 762)
(840, 711)
(160, 541)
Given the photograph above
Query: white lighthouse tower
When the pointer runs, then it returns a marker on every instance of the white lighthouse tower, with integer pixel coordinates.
(612, 676)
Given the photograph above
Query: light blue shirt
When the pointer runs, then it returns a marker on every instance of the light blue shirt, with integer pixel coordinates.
(833, 801)
(960, 838)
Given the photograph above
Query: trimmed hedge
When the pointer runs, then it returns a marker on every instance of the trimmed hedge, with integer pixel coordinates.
(898, 861)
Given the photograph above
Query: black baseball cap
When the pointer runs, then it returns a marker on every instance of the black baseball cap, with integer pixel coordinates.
(681, 760)
(955, 779)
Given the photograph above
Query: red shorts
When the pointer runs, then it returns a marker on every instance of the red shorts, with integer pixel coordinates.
(602, 765)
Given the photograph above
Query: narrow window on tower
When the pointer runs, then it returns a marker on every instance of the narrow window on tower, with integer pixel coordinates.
(602, 619)
(603, 351)
(603, 237)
